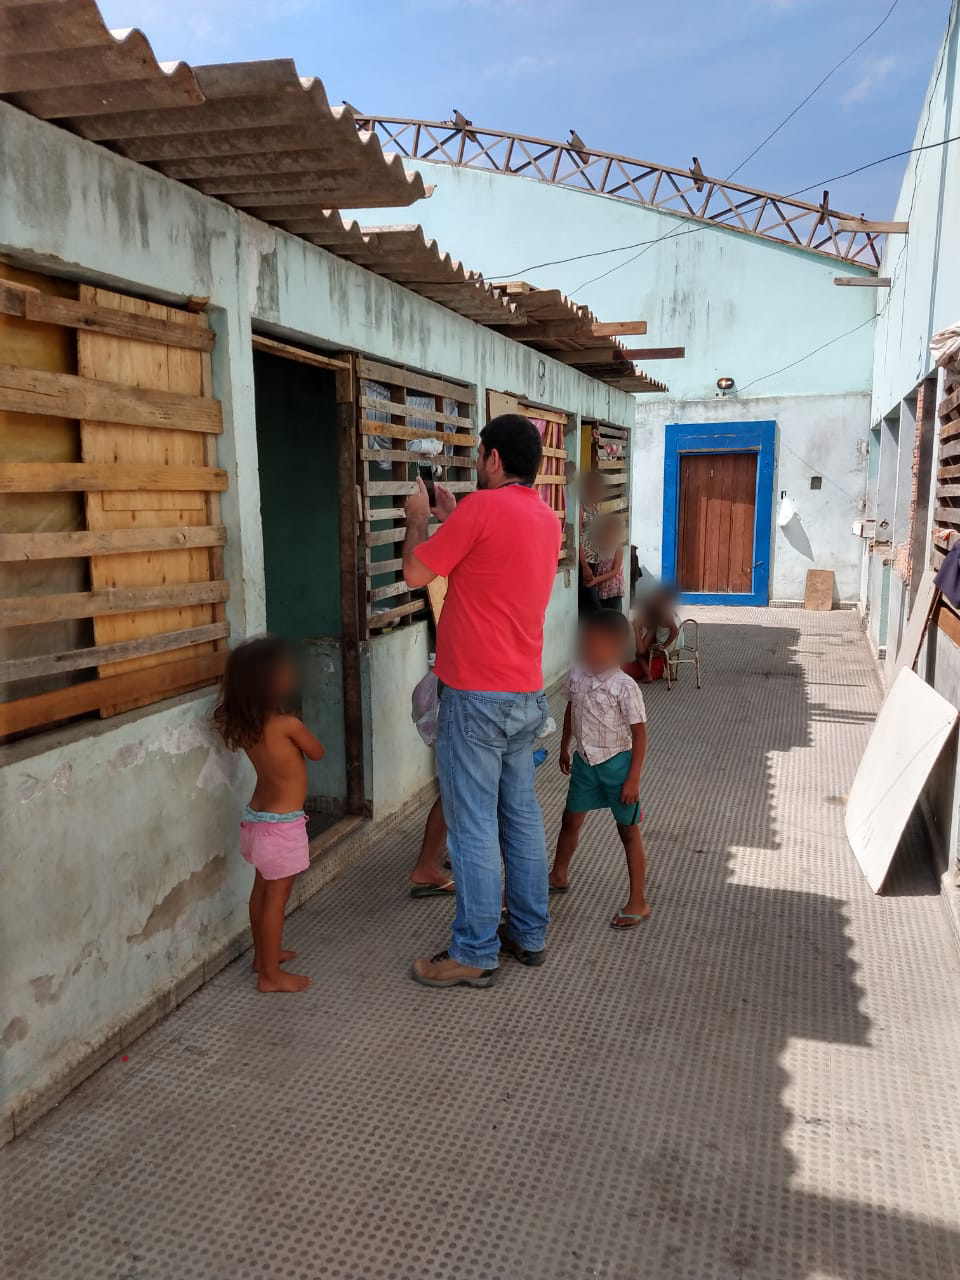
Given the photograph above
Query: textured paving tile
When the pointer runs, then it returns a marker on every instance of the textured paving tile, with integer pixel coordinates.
(757, 1085)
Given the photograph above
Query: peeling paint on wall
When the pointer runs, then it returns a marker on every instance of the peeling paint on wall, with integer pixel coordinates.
(59, 780)
(46, 989)
(199, 884)
(127, 757)
(221, 767)
(16, 1029)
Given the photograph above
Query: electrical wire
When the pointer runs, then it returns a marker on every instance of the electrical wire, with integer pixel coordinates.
(815, 90)
(895, 274)
(816, 351)
(645, 245)
(675, 233)
(717, 221)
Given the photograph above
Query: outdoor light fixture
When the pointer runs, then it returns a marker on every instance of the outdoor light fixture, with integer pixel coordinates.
(725, 384)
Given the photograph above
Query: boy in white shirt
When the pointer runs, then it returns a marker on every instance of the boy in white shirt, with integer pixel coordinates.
(606, 717)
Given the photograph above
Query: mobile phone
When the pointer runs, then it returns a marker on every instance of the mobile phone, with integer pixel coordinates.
(426, 475)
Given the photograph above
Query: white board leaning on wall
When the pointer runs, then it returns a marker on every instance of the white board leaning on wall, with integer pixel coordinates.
(910, 732)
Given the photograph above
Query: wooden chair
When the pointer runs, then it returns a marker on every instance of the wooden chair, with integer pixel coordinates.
(686, 649)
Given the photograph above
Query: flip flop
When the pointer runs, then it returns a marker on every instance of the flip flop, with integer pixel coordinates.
(559, 888)
(623, 920)
(432, 890)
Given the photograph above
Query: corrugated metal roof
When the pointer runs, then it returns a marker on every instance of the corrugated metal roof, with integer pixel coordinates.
(262, 139)
(403, 254)
(254, 134)
(563, 329)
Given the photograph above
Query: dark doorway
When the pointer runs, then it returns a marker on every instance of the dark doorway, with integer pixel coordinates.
(296, 406)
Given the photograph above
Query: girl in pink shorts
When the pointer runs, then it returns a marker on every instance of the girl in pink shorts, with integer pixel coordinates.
(259, 680)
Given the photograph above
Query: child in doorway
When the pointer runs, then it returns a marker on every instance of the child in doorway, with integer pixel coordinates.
(606, 717)
(259, 680)
(608, 579)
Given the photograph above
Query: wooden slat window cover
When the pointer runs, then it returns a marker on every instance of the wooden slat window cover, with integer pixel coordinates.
(610, 452)
(946, 515)
(610, 455)
(551, 481)
(405, 420)
(112, 593)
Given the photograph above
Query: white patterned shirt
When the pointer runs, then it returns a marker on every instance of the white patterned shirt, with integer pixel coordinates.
(603, 709)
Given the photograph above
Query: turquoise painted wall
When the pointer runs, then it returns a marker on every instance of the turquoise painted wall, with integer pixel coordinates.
(742, 306)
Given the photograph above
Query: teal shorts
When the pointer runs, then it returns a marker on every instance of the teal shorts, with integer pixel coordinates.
(598, 786)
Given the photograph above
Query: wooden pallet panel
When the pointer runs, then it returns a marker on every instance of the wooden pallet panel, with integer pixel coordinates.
(151, 367)
(48, 440)
(946, 515)
(383, 526)
(551, 480)
(134, 688)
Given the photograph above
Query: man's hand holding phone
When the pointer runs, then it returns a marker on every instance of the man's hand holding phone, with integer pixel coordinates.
(420, 504)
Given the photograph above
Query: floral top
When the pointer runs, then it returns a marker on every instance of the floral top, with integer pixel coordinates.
(588, 517)
(613, 586)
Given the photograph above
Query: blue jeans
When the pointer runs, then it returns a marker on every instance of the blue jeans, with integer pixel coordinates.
(485, 764)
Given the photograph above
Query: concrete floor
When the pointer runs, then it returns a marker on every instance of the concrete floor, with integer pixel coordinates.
(759, 1084)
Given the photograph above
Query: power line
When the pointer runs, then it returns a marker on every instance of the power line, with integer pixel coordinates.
(667, 235)
(815, 90)
(895, 155)
(816, 351)
(717, 222)
(895, 274)
(670, 236)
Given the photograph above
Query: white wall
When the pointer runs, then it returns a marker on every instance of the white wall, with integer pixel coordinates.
(924, 265)
(119, 838)
(816, 435)
(924, 297)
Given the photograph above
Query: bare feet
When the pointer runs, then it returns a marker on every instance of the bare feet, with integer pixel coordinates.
(284, 982)
(284, 957)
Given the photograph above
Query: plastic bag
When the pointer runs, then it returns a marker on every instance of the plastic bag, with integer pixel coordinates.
(425, 707)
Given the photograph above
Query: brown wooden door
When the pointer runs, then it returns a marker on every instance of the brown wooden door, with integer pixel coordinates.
(716, 520)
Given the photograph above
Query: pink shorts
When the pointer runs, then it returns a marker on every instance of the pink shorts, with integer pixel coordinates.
(276, 849)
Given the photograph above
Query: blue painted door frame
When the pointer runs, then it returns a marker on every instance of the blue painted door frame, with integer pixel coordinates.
(720, 437)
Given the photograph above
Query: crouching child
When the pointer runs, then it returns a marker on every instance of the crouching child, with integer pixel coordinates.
(605, 718)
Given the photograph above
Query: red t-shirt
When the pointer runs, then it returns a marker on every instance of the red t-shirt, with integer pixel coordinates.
(499, 550)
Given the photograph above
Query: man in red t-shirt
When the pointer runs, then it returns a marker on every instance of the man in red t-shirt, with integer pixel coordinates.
(498, 549)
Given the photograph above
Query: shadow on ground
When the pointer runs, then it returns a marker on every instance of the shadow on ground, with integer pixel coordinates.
(734, 1092)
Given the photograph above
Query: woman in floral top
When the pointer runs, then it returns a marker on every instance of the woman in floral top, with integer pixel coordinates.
(608, 536)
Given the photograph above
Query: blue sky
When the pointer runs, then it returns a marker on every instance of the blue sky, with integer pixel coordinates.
(649, 78)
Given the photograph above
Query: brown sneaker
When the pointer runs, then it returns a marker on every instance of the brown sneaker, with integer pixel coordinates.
(441, 971)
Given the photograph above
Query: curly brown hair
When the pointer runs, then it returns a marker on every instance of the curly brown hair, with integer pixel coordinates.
(247, 692)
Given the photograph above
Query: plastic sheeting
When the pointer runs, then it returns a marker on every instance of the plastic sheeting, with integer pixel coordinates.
(945, 346)
(421, 449)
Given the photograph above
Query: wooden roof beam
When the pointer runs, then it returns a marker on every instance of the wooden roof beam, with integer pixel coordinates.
(638, 383)
(863, 282)
(873, 228)
(591, 355)
(617, 328)
(560, 330)
(655, 353)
